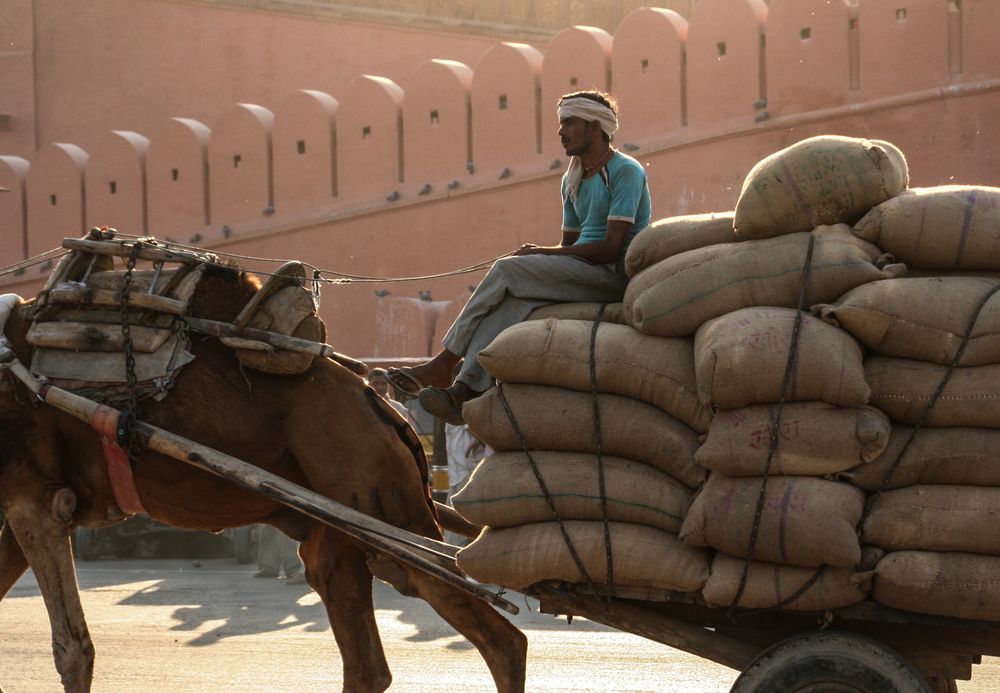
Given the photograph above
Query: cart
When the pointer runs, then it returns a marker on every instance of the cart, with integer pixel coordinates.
(866, 647)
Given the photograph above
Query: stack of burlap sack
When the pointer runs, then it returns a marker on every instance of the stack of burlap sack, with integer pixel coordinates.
(714, 357)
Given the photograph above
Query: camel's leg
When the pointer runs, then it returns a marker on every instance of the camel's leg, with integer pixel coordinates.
(43, 534)
(503, 646)
(12, 560)
(337, 570)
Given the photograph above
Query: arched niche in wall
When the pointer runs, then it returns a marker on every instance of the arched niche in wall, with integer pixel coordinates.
(647, 74)
(13, 221)
(506, 119)
(725, 73)
(369, 140)
(54, 192)
(305, 157)
(239, 167)
(808, 55)
(578, 58)
(980, 27)
(177, 179)
(115, 182)
(903, 46)
(437, 123)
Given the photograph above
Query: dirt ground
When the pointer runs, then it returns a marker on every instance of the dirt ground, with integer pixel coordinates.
(209, 626)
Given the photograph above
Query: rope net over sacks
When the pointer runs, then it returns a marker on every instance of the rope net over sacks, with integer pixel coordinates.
(796, 405)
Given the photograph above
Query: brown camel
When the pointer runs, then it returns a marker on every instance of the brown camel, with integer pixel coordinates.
(325, 430)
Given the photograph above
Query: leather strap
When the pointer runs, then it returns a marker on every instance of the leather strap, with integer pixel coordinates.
(105, 422)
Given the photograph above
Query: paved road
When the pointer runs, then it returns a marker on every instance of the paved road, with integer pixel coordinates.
(172, 625)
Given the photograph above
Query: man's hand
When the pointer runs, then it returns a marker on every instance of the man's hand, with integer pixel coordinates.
(529, 249)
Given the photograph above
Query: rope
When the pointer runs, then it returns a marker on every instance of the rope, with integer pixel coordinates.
(872, 498)
(598, 442)
(39, 259)
(776, 425)
(342, 277)
(545, 489)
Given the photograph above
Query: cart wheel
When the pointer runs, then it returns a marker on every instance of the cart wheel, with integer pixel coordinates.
(830, 662)
(942, 685)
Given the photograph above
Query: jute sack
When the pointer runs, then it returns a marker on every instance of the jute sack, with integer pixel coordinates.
(954, 227)
(935, 518)
(902, 388)
(741, 358)
(959, 456)
(674, 235)
(518, 557)
(557, 352)
(814, 438)
(552, 418)
(806, 521)
(770, 584)
(673, 297)
(820, 180)
(959, 585)
(922, 318)
(613, 312)
(504, 492)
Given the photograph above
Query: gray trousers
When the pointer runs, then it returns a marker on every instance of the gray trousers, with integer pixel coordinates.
(513, 288)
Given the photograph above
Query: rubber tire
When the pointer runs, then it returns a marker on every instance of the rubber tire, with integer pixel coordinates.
(830, 662)
(939, 685)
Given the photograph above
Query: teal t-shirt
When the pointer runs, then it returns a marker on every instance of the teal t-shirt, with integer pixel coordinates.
(618, 192)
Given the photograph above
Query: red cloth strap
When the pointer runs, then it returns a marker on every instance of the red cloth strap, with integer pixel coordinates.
(105, 422)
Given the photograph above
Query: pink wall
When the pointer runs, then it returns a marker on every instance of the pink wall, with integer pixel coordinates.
(437, 121)
(126, 64)
(506, 110)
(400, 200)
(177, 179)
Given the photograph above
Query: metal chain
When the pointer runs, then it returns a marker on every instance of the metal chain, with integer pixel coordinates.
(127, 433)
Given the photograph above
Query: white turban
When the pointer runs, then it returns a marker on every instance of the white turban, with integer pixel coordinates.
(589, 110)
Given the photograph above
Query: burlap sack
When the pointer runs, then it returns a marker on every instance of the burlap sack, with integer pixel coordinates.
(923, 319)
(959, 456)
(814, 438)
(628, 363)
(770, 584)
(902, 388)
(613, 312)
(741, 358)
(959, 585)
(954, 227)
(806, 521)
(504, 492)
(552, 418)
(673, 297)
(674, 235)
(641, 556)
(935, 518)
(820, 180)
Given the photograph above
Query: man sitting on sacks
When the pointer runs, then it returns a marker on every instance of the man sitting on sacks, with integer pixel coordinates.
(605, 204)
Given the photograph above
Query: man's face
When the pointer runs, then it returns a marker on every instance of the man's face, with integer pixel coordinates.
(577, 134)
(380, 386)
